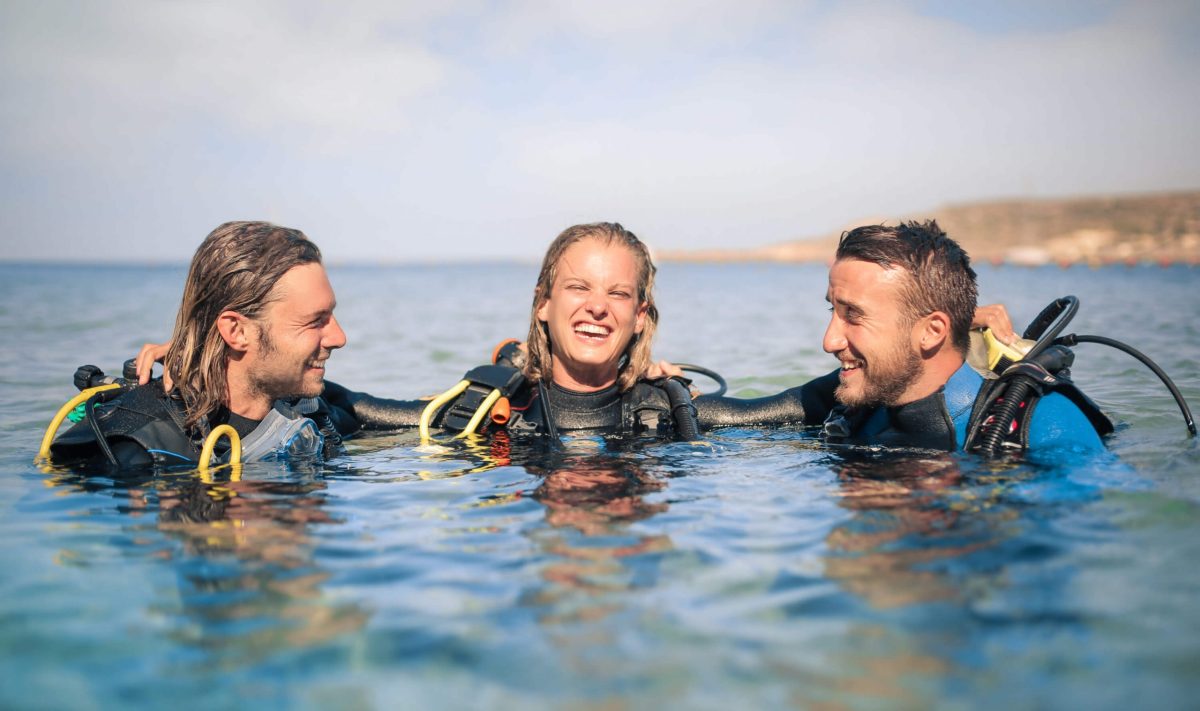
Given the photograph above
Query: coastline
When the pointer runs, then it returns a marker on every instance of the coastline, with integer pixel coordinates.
(1162, 229)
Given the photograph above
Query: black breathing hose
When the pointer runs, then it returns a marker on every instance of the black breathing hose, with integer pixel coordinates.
(714, 375)
(1058, 314)
(1072, 339)
(999, 422)
(90, 414)
(683, 412)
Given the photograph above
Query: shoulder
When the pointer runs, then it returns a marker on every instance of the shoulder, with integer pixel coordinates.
(1056, 421)
(144, 417)
(647, 391)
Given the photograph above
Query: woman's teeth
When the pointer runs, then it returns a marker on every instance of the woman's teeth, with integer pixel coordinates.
(591, 329)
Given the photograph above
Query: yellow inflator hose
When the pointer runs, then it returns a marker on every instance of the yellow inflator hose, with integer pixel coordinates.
(235, 446)
(480, 413)
(436, 404)
(48, 438)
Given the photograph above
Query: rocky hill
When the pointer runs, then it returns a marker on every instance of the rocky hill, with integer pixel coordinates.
(1162, 228)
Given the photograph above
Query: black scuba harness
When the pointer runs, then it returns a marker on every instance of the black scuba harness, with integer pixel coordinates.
(662, 405)
(1002, 410)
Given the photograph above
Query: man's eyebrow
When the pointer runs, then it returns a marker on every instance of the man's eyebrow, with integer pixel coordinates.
(850, 306)
(320, 312)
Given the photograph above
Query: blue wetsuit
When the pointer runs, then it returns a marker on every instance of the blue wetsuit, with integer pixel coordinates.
(941, 420)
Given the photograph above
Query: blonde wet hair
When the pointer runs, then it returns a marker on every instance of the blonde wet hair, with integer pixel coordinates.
(235, 268)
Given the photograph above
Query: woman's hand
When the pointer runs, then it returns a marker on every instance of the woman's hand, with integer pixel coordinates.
(662, 369)
(995, 317)
(150, 354)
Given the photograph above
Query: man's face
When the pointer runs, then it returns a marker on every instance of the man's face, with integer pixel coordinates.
(870, 334)
(297, 333)
(592, 312)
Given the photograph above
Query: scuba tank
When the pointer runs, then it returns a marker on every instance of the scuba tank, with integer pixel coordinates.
(1037, 364)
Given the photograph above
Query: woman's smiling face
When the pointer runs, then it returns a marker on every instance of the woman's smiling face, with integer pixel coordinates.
(592, 312)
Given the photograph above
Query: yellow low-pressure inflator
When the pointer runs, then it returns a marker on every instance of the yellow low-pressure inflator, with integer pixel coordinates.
(988, 353)
(48, 438)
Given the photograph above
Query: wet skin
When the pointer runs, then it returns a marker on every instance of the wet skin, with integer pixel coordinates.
(592, 313)
(871, 336)
(287, 346)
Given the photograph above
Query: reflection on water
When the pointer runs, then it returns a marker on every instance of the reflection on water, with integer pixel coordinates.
(242, 546)
(905, 520)
(590, 500)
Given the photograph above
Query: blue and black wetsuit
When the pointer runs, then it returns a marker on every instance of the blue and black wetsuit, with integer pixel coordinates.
(145, 426)
(1064, 417)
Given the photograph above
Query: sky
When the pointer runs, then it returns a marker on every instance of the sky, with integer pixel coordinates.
(392, 131)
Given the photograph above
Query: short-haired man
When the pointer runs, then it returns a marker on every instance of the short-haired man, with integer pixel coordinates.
(253, 333)
(903, 302)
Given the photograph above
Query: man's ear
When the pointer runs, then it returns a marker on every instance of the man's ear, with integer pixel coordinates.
(933, 331)
(235, 330)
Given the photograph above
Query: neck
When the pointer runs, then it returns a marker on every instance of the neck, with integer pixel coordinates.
(935, 373)
(242, 398)
(582, 380)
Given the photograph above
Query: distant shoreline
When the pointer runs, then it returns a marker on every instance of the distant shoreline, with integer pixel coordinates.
(1162, 229)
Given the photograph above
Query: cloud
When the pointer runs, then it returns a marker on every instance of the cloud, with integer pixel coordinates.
(479, 128)
(253, 69)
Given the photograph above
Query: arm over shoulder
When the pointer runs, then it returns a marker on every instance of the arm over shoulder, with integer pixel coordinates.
(353, 410)
(808, 404)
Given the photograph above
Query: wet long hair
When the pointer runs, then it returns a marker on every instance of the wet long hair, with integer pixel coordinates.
(637, 354)
(235, 269)
(939, 271)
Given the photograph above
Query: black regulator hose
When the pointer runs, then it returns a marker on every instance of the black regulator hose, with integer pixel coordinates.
(1072, 339)
(1058, 314)
(90, 415)
(1000, 420)
(683, 412)
(1017, 383)
(712, 374)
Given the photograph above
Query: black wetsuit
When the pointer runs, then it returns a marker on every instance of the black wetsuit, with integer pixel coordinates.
(803, 405)
(144, 426)
(643, 409)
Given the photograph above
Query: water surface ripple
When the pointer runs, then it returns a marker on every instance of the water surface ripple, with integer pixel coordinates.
(760, 570)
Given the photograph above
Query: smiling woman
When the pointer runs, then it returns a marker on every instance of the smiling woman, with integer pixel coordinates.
(587, 358)
(593, 309)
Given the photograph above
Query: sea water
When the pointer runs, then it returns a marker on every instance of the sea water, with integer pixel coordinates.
(759, 570)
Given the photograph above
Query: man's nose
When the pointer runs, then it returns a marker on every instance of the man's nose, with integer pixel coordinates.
(835, 336)
(335, 337)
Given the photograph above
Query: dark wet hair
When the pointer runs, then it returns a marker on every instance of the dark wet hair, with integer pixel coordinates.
(939, 270)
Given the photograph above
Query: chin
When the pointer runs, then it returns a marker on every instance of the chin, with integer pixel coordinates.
(312, 389)
(850, 398)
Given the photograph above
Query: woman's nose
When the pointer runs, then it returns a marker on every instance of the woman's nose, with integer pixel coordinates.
(597, 305)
